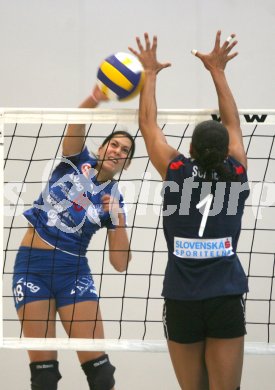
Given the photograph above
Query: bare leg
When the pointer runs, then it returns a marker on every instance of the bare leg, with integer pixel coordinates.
(38, 320)
(189, 365)
(224, 360)
(83, 320)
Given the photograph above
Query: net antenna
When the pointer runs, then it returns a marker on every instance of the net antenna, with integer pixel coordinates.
(130, 302)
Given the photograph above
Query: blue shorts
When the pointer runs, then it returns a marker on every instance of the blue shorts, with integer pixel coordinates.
(43, 274)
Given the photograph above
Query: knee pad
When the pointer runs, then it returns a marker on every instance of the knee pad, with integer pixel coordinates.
(44, 375)
(100, 373)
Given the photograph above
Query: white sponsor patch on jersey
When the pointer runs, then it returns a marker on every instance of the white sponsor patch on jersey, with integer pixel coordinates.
(192, 248)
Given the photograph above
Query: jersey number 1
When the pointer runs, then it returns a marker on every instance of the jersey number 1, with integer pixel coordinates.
(207, 202)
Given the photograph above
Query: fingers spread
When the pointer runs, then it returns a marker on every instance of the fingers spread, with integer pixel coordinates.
(228, 41)
(139, 44)
(230, 47)
(218, 40)
(231, 56)
(155, 42)
(166, 65)
(147, 41)
(133, 51)
(196, 53)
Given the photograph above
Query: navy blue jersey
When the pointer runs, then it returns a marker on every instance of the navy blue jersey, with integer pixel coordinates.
(69, 210)
(202, 259)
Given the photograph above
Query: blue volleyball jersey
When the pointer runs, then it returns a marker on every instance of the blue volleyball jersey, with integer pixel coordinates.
(69, 211)
(202, 260)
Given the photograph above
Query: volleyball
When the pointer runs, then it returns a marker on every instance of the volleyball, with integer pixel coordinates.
(120, 76)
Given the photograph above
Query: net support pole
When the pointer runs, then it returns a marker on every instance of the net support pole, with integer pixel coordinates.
(1, 230)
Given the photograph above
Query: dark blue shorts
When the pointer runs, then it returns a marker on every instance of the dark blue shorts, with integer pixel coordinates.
(42, 274)
(193, 321)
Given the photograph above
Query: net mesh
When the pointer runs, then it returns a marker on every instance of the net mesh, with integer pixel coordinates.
(130, 302)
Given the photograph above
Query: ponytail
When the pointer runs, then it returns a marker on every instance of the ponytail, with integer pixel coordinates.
(210, 141)
(212, 159)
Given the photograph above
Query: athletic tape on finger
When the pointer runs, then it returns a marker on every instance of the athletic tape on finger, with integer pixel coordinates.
(229, 39)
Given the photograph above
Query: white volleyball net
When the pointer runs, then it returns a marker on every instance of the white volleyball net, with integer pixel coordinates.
(130, 302)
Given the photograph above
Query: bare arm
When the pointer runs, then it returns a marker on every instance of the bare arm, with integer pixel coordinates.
(119, 245)
(159, 151)
(216, 62)
(74, 139)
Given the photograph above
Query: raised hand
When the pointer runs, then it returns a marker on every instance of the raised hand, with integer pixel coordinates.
(98, 94)
(220, 55)
(148, 54)
(111, 205)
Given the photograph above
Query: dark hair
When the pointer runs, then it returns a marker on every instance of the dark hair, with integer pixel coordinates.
(122, 133)
(210, 142)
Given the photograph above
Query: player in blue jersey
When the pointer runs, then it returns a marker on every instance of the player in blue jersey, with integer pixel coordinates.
(51, 272)
(204, 197)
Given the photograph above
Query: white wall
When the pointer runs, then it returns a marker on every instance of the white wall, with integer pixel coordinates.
(49, 57)
(51, 49)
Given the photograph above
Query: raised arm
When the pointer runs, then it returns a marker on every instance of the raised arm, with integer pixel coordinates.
(74, 139)
(119, 245)
(216, 62)
(159, 151)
